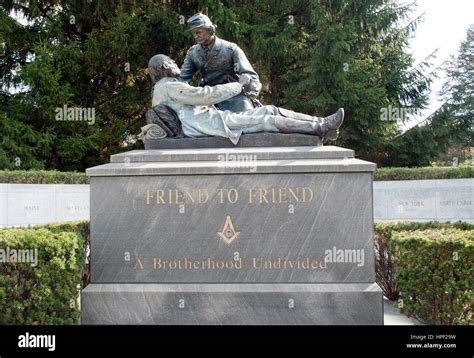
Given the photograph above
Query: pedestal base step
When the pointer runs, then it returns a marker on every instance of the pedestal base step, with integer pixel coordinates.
(233, 304)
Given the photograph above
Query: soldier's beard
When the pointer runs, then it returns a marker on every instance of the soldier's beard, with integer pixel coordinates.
(207, 42)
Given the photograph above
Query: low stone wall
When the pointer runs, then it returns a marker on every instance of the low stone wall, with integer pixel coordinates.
(424, 200)
(27, 204)
(408, 200)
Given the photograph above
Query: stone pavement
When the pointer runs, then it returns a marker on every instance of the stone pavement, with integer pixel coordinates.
(393, 317)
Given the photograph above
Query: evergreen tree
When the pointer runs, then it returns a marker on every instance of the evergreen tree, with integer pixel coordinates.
(80, 55)
(316, 56)
(422, 144)
(452, 126)
(459, 91)
(312, 56)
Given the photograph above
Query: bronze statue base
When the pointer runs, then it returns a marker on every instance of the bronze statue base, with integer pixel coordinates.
(246, 141)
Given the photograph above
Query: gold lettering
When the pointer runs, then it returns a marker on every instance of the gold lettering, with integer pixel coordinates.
(251, 194)
(235, 195)
(292, 193)
(267, 264)
(138, 264)
(284, 264)
(159, 197)
(186, 264)
(148, 197)
(231, 195)
(310, 191)
(188, 197)
(178, 196)
(221, 192)
(203, 198)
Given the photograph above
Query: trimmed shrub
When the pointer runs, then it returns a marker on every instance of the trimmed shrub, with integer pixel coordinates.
(80, 226)
(423, 173)
(83, 229)
(435, 274)
(385, 268)
(42, 177)
(47, 293)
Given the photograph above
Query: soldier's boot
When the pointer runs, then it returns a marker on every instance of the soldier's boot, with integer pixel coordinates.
(324, 127)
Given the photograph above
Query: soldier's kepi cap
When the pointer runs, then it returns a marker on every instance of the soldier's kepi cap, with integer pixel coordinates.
(199, 20)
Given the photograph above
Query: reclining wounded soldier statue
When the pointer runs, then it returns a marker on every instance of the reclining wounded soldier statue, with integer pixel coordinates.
(180, 110)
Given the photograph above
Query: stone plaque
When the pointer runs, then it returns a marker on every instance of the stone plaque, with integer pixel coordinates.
(282, 227)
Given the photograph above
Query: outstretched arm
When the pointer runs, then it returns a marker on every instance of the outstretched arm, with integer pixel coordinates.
(200, 96)
(243, 66)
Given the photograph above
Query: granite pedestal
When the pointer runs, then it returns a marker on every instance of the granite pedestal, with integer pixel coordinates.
(259, 235)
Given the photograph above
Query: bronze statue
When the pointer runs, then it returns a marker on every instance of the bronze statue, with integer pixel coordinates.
(198, 117)
(219, 61)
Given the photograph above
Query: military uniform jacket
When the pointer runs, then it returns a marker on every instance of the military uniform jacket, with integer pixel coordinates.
(194, 106)
(218, 65)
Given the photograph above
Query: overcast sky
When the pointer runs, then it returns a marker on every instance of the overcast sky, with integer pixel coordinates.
(444, 28)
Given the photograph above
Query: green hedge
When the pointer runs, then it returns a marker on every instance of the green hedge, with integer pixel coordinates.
(424, 173)
(42, 177)
(435, 274)
(415, 262)
(388, 264)
(55, 177)
(47, 293)
(81, 227)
